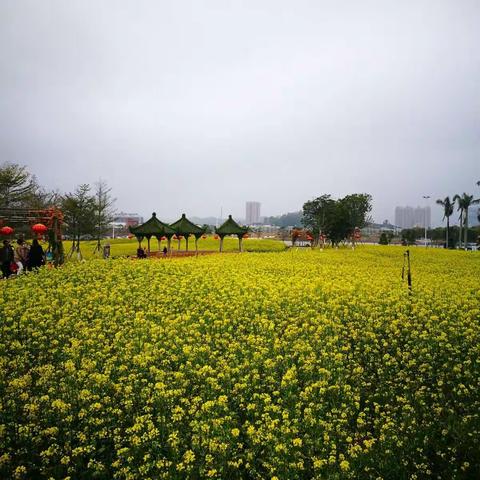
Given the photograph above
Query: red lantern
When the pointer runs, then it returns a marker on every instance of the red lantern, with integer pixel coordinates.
(204, 237)
(245, 235)
(216, 237)
(309, 238)
(163, 238)
(180, 237)
(130, 236)
(6, 230)
(39, 228)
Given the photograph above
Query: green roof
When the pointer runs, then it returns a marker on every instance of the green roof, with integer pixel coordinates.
(152, 228)
(185, 227)
(231, 227)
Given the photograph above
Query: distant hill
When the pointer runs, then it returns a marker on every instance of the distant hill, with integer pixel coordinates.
(291, 219)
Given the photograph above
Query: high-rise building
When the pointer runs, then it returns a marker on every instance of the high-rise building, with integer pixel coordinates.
(252, 213)
(409, 217)
(474, 216)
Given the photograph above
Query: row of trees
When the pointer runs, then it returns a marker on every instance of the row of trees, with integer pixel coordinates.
(337, 220)
(463, 203)
(286, 220)
(87, 211)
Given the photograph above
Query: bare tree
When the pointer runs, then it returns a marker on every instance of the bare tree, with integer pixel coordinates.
(104, 210)
(79, 214)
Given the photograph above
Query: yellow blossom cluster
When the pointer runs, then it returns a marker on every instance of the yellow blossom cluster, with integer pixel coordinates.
(293, 365)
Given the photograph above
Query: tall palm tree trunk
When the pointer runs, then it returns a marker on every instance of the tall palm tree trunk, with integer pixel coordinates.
(461, 230)
(448, 232)
(466, 229)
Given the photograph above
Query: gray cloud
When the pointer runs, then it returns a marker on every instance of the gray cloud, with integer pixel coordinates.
(189, 106)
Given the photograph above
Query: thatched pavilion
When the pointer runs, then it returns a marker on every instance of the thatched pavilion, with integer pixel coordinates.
(231, 227)
(153, 228)
(184, 227)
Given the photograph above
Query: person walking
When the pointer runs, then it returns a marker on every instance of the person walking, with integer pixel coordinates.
(7, 257)
(36, 256)
(21, 255)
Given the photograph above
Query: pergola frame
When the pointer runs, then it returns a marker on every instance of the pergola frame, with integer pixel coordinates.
(153, 228)
(184, 227)
(231, 227)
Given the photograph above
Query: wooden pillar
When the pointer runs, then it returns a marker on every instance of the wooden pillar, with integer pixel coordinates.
(159, 240)
(148, 245)
(169, 244)
(221, 243)
(196, 244)
(240, 243)
(186, 242)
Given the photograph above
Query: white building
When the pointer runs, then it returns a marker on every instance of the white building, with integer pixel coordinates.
(127, 219)
(252, 213)
(473, 216)
(409, 217)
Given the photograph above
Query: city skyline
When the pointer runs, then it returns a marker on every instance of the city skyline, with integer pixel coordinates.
(411, 217)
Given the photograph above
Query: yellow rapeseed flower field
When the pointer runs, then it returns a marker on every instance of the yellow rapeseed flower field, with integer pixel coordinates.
(292, 365)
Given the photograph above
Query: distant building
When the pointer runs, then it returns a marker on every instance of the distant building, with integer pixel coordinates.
(127, 219)
(473, 216)
(378, 228)
(409, 217)
(252, 213)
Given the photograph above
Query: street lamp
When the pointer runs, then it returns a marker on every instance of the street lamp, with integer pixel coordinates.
(426, 197)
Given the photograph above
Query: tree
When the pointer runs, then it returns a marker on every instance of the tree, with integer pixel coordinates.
(464, 203)
(448, 207)
(316, 215)
(457, 198)
(291, 219)
(337, 219)
(478, 213)
(409, 235)
(104, 210)
(17, 186)
(356, 208)
(383, 239)
(79, 214)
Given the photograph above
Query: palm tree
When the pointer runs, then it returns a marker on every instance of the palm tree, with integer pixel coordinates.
(478, 212)
(457, 198)
(464, 203)
(448, 207)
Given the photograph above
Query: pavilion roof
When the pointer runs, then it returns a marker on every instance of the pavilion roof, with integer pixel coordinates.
(185, 227)
(152, 228)
(231, 227)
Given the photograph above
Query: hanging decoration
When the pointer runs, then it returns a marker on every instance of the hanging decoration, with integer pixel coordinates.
(6, 230)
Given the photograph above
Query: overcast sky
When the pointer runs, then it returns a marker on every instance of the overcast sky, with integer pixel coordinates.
(190, 106)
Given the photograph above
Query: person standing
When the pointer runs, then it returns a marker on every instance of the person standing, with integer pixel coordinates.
(36, 256)
(7, 257)
(21, 255)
